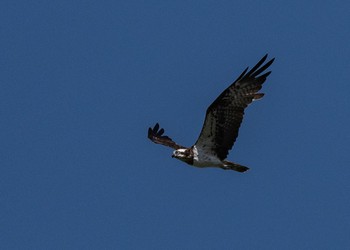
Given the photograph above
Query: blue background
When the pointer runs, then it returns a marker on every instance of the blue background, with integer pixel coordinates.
(81, 82)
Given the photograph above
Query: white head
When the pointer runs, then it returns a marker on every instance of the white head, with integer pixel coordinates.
(183, 154)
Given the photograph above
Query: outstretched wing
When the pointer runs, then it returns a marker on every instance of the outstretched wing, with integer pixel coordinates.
(156, 135)
(224, 116)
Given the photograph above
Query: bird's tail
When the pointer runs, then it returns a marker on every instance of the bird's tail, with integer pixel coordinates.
(234, 166)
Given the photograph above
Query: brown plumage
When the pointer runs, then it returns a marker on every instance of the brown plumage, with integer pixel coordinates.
(222, 122)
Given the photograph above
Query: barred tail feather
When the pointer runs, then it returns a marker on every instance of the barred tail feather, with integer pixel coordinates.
(234, 166)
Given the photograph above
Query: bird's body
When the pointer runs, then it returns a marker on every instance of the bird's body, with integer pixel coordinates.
(221, 124)
(199, 157)
(196, 157)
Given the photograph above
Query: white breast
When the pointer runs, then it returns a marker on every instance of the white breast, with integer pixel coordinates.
(203, 158)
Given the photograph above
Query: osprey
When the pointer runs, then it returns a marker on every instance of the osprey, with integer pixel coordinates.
(222, 121)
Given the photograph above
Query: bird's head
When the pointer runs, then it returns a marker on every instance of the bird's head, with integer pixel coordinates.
(183, 154)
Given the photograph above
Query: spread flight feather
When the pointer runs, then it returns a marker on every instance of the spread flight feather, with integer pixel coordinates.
(222, 122)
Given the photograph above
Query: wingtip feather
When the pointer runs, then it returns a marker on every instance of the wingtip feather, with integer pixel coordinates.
(258, 96)
(161, 131)
(149, 135)
(156, 127)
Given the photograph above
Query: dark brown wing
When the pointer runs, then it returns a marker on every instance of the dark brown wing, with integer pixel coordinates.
(224, 116)
(156, 135)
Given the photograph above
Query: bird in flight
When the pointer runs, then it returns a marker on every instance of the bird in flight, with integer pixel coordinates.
(222, 121)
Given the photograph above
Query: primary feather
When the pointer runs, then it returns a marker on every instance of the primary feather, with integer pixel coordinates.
(222, 122)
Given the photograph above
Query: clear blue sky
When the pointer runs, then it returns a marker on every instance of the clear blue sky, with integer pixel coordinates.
(81, 82)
